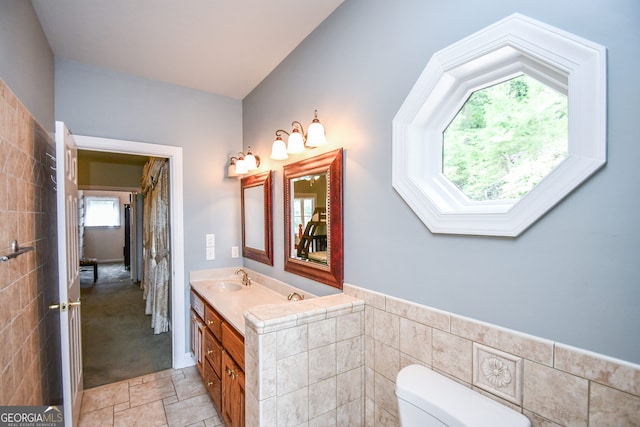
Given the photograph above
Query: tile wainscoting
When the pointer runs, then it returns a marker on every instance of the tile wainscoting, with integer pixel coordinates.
(334, 360)
(550, 383)
(304, 363)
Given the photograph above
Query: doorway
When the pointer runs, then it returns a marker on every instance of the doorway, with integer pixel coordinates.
(180, 356)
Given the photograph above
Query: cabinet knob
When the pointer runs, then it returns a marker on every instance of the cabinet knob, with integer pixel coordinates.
(210, 383)
(209, 322)
(209, 352)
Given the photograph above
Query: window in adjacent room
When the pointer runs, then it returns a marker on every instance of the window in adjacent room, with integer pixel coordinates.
(102, 212)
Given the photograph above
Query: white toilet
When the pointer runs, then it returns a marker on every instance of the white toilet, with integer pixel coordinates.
(428, 399)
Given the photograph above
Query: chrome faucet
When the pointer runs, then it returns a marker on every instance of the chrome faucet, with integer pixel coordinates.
(246, 280)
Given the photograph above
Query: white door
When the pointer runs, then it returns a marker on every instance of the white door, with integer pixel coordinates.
(69, 272)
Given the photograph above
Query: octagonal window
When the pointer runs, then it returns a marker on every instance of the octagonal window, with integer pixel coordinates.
(500, 127)
(505, 139)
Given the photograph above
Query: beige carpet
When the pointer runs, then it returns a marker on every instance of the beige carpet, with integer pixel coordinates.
(117, 340)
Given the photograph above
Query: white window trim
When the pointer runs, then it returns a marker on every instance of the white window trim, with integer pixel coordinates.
(516, 44)
(117, 210)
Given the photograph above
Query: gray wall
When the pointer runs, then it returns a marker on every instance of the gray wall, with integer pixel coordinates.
(26, 60)
(98, 102)
(573, 277)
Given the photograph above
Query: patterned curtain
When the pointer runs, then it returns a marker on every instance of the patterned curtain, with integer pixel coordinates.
(81, 223)
(155, 241)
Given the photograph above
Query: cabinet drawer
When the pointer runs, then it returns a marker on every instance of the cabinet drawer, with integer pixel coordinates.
(213, 351)
(214, 384)
(233, 343)
(213, 321)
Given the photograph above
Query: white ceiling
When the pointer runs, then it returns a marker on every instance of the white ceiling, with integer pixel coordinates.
(225, 47)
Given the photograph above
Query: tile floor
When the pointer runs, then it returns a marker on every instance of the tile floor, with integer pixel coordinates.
(172, 398)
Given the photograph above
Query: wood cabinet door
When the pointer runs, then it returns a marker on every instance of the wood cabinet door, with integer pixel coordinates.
(197, 340)
(213, 383)
(233, 395)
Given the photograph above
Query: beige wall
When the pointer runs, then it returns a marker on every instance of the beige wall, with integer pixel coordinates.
(106, 244)
(29, 359)
(102, 174)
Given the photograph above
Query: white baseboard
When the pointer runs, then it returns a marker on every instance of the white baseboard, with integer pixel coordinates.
(183, 361)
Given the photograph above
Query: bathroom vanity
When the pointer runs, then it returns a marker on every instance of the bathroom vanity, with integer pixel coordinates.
(219, 352)
(218, 302)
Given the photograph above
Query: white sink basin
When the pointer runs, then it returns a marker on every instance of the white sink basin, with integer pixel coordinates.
(224, 286)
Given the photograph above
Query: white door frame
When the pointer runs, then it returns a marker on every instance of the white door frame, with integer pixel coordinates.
(180, 356)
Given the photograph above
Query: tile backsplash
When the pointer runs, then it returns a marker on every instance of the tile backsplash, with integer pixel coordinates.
(29, 361)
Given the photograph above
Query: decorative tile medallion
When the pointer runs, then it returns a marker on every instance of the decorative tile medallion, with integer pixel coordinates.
(497, 372)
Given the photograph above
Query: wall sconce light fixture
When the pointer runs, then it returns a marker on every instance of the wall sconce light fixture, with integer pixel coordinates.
(315, 137)
(243, 164)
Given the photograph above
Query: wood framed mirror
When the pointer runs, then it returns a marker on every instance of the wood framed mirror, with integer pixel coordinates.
(313, 220)
(257, 217)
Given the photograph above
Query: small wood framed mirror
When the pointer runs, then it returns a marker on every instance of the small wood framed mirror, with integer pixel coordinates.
(313, 225)
(257, 217)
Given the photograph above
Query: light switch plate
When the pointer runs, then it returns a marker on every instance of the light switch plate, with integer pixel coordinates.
(234, 252)
(211, 240)
(211, 254)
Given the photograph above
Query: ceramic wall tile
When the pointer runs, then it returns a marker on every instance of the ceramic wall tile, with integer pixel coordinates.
(452, 354)
(322, 397)
(608, 406)
(322, 363)
(327, 419)
(349, 386)
(371, 298)
(292, 373)
(386, 360)
(385, 396)
(349, 354)
(522, 345)
(351, 414)
(419, 313)
(613, 373)
(293, 408)
(322, 333)
(386, 328)
(555, 395)
(349, 326)
(415, 340)
(291, 341)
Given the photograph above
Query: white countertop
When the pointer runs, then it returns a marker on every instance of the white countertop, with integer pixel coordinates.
(232, 305)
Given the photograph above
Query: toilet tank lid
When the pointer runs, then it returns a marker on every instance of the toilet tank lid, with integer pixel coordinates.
(451, 402)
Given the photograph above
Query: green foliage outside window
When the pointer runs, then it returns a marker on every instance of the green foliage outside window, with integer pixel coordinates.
(505, 139)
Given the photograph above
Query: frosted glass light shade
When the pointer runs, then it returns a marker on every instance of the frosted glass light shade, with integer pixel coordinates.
(250, 162)
(315, 134)
(232, 171)
(279, 150)
(296, 143)
(241, 167)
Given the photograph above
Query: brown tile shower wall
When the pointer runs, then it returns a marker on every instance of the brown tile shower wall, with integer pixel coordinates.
(550, 383)
(29, 359)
